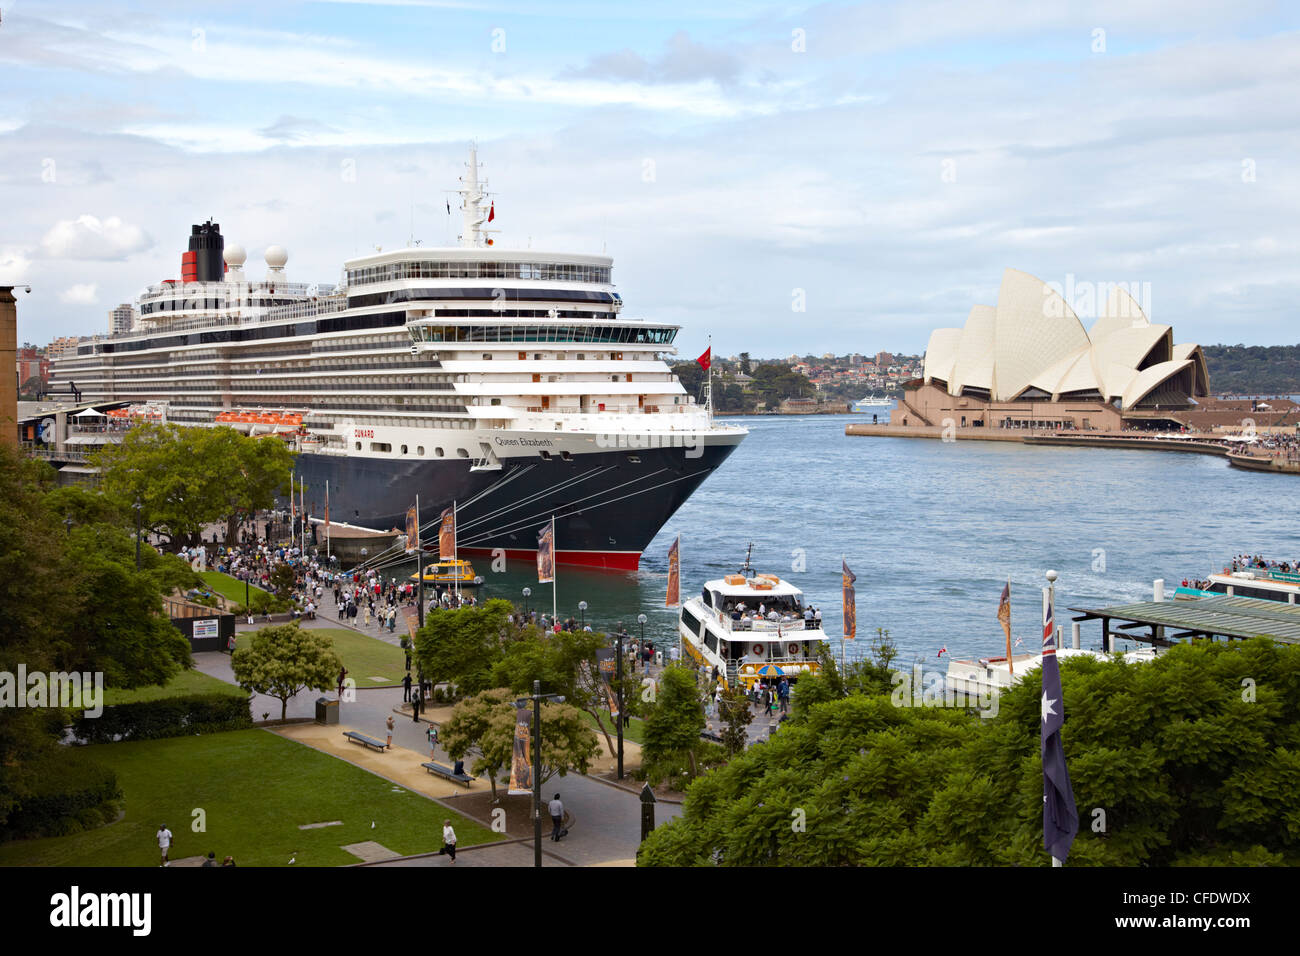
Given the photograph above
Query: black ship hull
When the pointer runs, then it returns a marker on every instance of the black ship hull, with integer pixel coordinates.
(608, 505)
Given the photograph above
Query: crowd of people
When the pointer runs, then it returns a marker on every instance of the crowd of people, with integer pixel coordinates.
(1257, 562)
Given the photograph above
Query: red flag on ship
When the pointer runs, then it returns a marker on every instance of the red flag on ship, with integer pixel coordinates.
(492, 211)
(706, 359)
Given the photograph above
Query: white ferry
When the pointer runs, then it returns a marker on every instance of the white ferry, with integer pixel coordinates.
(750, 627)
(506, 381)
(993, 675)
(1268, 584)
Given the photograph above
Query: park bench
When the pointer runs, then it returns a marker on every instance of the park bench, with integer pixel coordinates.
(447, 773)
(710, 735)
(365, 741)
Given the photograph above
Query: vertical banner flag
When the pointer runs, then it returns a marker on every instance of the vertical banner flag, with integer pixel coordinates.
(412, 530)
(327, 507)
(850, 602)
(1060, 817)
(546, 553)
(706, 359)
(674, 574)
(605, 661)
(1004, 615)
(447, 534)
(521, 760)
(411, 615)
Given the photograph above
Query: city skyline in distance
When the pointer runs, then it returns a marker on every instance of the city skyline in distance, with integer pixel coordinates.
(870, 164)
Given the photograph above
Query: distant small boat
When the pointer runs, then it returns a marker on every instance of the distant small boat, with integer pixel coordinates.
(871, 401)
(450, 572)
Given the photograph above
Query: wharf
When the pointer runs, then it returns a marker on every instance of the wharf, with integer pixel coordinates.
(1099, 439)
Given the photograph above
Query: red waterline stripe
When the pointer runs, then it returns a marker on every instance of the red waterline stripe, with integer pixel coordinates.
(609, 560)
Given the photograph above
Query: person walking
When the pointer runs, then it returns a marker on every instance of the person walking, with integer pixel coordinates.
(343, 674)
(164, 842)
(556, 809)
(448, 840)
(415, 706)
(390, 732)
(406, 688)
(432, 734)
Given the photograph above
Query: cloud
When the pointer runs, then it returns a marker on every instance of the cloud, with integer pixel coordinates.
(14, 263)
(288, 129)
(684, 61)
(81, 294)
(88, 237)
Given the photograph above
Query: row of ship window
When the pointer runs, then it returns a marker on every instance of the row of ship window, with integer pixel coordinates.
(427, 269)
(621, 334)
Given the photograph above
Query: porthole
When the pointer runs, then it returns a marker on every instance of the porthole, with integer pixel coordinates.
(438, 452)
(546, 455)
(403, 449)
(462, 453)
(358, 446)
(419, 450)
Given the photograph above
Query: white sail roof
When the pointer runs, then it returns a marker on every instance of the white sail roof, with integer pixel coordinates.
(1033, 339)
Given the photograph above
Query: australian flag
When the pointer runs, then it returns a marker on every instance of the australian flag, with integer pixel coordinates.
(1060, 818)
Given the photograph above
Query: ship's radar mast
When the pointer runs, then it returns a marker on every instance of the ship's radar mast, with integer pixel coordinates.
(473, 230)
(746, 570)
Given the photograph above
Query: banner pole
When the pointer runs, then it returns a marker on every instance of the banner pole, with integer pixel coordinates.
(555, 575)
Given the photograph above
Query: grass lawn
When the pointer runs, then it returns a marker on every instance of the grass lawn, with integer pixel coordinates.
(232, 589)
(365, 657)
(186, 682)
(634, 731)
(256, 789)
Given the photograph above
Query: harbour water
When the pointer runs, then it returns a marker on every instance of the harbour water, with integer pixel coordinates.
(934, 529)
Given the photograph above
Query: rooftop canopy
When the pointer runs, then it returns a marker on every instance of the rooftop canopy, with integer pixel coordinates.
(1219, 616)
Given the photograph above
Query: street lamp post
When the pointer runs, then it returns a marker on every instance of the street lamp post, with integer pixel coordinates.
(582, 609)
(618, 678)
(138, 508)
(641, 619)
(537, 698)
(527, 593)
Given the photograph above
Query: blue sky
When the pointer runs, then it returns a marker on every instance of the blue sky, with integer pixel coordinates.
(887, 159)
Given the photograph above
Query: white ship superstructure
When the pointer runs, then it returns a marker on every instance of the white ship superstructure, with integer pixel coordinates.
(506, 380)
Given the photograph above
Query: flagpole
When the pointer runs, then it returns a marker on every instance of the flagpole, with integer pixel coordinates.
(1049, 614)
(710, 370)
(1011, 667)
(419, 568)
(842, 637)
(1051, 604)
(555, 577)
(455, 547)
(327, 512)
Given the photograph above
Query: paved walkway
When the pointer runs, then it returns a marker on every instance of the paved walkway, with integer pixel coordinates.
(607, 826)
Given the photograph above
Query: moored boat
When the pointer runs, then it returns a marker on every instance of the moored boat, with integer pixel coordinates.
(751, 627)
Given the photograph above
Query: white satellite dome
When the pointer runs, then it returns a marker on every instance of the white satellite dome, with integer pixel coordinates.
(235, 255)
(276, 257)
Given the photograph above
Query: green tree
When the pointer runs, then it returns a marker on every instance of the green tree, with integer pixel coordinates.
(672, 728)
(565, 663)
(73, 600)
(1192, 756)
(282, 660)
(736, 718)
(185, 478)
(462, 646)
(486, 721)
(282, 580)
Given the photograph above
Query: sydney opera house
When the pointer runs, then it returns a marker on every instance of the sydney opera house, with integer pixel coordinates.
(1028, 362)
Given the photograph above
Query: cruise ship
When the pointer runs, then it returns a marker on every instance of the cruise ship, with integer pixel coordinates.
(506, 381)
